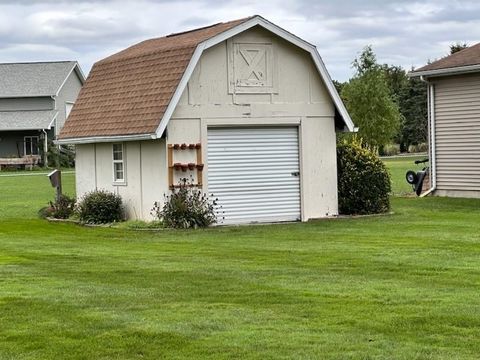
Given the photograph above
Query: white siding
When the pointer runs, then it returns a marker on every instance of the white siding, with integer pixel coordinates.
(145, 171)
(457, 133)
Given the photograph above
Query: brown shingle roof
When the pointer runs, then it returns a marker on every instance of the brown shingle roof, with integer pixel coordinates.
(465, 57)
(127, 93)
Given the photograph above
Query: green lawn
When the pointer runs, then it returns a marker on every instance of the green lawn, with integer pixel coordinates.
(403, 286)
(398, 166)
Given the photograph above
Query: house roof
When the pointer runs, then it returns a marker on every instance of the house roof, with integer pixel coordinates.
(464, 60)
(35, 78)
(26, 120)
(132, 94)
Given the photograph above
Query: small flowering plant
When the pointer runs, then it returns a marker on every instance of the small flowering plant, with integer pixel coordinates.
(187, 207)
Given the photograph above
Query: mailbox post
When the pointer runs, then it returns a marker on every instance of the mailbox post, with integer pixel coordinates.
(56, 180)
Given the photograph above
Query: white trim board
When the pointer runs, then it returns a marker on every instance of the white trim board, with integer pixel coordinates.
(80, 75)
(105, 139)
(446, 71)
(256, 20)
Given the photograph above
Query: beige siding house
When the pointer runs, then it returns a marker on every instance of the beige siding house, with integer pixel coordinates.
(245, 108)
(454, 123)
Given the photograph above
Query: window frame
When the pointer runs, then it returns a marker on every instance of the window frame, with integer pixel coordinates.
(31, 137)
(118, 181)
(68, 108)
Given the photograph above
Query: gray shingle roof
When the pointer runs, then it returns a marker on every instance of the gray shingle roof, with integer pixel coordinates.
(26, 120)
(33, 79)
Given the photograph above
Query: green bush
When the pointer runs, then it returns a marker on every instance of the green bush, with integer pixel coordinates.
(185, 208)
(419, 148)
(363, 180)
(391, 150)
(100, 207)
(62, 208)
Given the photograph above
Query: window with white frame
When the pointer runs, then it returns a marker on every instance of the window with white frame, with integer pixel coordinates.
(118, 163)
(68, 108)
(30, 145)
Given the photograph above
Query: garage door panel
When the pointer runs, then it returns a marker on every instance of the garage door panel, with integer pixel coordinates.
(250, 172)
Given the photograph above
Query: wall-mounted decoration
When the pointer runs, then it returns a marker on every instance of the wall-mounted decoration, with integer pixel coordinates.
(252, 67)
(184, 167)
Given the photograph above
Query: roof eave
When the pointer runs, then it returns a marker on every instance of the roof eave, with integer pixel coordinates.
(446, 71)
(104, 139)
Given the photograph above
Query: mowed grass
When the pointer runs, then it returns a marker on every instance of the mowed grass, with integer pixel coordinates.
(398, 167)
(23, 193)
(403, 286)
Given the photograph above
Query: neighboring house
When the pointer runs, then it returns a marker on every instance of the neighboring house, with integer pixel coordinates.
(253, 104)
(454, 123)
(35, 99)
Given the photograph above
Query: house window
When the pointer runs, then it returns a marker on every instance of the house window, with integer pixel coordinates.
(118, 163)
(30, 144)
(68, 108)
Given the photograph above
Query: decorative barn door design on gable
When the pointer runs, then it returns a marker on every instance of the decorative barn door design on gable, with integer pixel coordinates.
(252, 71)
(252, 68)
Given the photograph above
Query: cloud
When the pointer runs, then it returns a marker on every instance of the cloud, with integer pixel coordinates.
(405, 33)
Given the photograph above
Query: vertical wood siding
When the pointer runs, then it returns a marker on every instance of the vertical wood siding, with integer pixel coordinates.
(457, 121)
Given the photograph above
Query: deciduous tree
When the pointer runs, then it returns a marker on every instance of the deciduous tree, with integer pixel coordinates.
(369, 101)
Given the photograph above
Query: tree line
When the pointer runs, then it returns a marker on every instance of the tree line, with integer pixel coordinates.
(385, 103)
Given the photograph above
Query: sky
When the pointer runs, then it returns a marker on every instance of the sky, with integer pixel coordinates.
(406, 33)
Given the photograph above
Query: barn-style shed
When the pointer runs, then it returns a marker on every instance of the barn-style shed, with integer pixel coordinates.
(244, 107)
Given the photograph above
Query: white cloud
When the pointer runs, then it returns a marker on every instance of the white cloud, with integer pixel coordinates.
(404, 32)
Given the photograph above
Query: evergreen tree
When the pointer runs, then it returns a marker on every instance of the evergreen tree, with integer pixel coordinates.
(410, 94)
(458, 46)
(413, 105)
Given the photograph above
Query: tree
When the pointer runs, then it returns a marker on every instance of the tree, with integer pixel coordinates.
(369, 101)
(458, 46)
(410, 94)
(413, 105)
(338, 86)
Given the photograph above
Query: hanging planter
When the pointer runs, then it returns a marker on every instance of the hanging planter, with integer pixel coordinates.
(198, 146)
(200, 167)
(177, 166)
(191, 166)
(176, 146)
(191, 146)
(183, 146)
(184, 167)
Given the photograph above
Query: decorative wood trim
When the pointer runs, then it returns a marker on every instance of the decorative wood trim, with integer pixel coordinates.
(172, 166)
(199, 162)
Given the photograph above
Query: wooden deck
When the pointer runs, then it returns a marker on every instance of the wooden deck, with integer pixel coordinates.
(27, 162)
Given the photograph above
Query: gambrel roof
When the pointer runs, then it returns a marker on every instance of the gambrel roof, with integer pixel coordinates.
(132, 94)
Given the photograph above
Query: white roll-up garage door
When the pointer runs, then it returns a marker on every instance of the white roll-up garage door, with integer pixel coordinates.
(254, 173)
